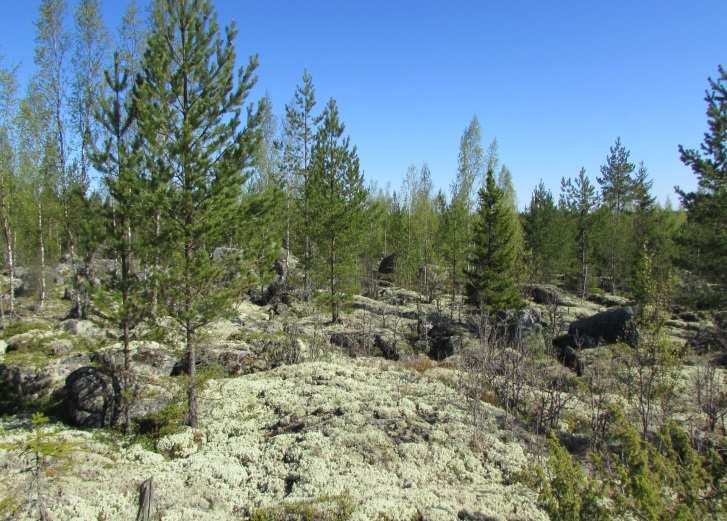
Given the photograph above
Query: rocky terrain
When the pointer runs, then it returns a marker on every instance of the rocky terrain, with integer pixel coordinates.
(362, 419)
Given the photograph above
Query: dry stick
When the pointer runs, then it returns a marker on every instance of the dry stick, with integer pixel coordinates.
(146, 498)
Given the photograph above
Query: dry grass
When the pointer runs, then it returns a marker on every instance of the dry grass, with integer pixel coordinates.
(421, 364)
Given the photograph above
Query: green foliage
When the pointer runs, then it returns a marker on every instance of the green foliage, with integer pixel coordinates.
(337, 195)
(47, 456)
(20, 327)
(567, 493)
(704, 238)
(199, 153)
(543, 235)
(491, 279)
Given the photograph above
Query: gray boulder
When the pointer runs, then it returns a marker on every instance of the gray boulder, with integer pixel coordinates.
(92, 398)
(606, 327)
(83, 328)
(20, 384)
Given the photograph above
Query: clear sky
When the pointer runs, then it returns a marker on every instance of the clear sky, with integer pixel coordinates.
(555, 82)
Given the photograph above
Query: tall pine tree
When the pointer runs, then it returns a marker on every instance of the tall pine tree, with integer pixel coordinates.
(581, 200)
(705, 236)
(189, 108)
(617, 194)
(337, 196)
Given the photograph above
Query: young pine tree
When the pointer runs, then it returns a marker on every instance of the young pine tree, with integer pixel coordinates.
(189, 106)
(491, 277)
(299, 133)
(705, 235)
(542, 234)
(338, 196)
(581, 200)
(617, 193)
(119, 164)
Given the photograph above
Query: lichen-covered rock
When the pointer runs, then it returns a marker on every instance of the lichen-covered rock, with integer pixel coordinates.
(390, 441)
(21, 383)
(147, 357)
(182, 444)
(83, 328)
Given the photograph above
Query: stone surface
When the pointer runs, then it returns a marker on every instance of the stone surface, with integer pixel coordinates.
(607, 327)
(83, 328)
(92, 398)
(298, 433)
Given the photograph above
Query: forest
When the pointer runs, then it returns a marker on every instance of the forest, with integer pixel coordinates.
(190, 277)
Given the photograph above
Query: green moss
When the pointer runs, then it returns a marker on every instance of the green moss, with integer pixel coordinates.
(324, 508)
(17, 328)
(35, 351)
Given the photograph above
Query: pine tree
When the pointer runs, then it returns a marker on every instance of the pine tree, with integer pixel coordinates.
(491, 277)
(705, 235)
(337, 197)
(188, 105)
(580, 200)
(542, 234)
(617, 194)
(299, 133)
(119, 164)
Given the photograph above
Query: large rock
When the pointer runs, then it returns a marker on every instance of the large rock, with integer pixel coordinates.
(548, 295)
(379, 343)
(147, 357)
(83, 328)
(20, 384)
(607, 327)
(92, 398)
(232, 360)
(387, 266)
(441, 340)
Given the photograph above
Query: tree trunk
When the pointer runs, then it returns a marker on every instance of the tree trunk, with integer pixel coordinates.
(41, 244)
(8, 234)
(146, 500)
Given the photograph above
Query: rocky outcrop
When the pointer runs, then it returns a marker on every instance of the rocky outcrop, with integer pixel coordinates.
(391, 442)
(92, 398)
(147, 357)
(83, 328)
(377, 343)
(606, 327)
(548, 295)
(20, 384)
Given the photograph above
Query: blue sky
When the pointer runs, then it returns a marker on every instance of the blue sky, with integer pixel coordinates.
(554, 82)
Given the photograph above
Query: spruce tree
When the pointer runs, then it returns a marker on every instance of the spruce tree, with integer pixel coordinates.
(491, 277)
(189, 115)
(705, 235)
(337, 197)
